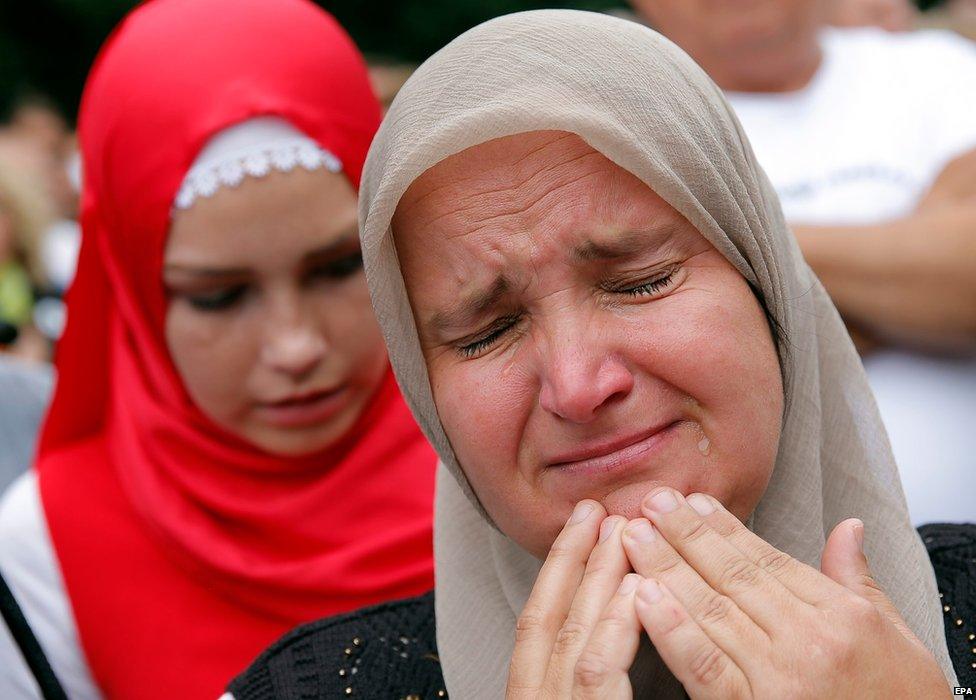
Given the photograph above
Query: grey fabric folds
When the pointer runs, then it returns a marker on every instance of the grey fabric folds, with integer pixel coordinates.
(639, 100)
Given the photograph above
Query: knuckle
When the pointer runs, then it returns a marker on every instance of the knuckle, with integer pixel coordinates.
(564, 547)
(707, 664)
(726, 524)
(833, 650)
(739, 573)
(595, 569)
(775, 561)
(862, 613)
(517, 688)
(571, 636)
(530, 624)
(592, 670)
(867, 583)
(717, 609)
(695, 531)
(668, 563)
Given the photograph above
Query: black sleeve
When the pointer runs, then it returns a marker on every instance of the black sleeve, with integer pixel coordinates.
(952, 549)
(383, 651)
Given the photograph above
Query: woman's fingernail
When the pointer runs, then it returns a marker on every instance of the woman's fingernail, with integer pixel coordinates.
(641, 531)
(628, 585)
(701, 504)
(858, 529)
(650, 591)
(607, 528)
(662, 502)
(580, 513)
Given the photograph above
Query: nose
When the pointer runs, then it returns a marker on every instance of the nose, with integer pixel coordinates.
(294, 344)
(579, 380)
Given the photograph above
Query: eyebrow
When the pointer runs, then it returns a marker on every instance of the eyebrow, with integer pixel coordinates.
(471, 306)
(624, 244)
(338, 246)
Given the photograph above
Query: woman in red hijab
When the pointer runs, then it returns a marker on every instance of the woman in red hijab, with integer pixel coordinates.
(227, 454)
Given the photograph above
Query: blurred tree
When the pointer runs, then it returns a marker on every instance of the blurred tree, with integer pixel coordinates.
(411, 30)
(47, 46)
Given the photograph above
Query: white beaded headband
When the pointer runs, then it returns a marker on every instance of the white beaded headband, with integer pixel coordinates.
(252, 148)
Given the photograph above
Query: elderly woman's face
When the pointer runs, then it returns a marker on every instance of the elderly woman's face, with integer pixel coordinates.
(583, 340)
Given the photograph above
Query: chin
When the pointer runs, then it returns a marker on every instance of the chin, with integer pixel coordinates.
(295, 443)
(626, 500)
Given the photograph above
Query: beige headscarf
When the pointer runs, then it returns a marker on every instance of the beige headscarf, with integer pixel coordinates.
(639, 100)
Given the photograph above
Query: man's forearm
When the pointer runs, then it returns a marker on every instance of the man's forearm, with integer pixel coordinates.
(909, 281)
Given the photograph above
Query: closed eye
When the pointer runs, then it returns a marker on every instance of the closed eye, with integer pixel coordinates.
(338, 269)
(217, 301)
(648, 287)
(490, 336)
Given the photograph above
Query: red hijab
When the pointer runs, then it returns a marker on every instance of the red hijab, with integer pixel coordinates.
(185, 550)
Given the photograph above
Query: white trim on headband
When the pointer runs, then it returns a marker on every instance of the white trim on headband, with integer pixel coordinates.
(252, 148)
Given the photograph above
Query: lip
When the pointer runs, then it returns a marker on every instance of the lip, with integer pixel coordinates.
(614, 453)
(305, 409)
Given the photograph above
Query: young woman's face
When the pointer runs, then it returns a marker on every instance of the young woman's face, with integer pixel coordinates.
(269, 321)
(583, 339)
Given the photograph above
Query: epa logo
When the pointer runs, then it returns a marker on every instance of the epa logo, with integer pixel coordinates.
(962, 691)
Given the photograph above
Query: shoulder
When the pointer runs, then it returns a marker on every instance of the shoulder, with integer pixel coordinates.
(386, 650)
(31, 381)
(952, 550)
(24, 392)
(29, 565)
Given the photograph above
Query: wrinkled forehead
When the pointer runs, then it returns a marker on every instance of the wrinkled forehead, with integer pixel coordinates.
(528, 181)
(522, 165)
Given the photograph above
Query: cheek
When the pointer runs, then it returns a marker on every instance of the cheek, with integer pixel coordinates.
(484, 409)
(482, 412)
(715, 347)
(211, 355)
(354, 337)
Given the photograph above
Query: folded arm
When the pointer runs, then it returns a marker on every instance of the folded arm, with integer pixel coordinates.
(910, 281)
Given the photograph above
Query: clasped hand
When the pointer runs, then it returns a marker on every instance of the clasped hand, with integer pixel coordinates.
(730, 615)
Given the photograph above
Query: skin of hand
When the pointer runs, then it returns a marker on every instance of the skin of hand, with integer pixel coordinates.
(730, 615)
(578, 633)
(733, 617)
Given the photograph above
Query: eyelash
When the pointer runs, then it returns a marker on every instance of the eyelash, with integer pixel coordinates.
(217, 301)
(646, 288)
(226, 298)
(649, 287)
(486, 341)
(341, 268)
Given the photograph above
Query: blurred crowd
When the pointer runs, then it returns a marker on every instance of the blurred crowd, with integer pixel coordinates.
(39, 234)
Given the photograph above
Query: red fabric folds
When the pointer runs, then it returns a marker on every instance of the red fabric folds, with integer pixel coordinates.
(185, 550)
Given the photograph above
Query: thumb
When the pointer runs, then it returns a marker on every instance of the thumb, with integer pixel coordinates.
(843, 561)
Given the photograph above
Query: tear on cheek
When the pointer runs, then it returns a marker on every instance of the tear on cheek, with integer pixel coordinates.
(704, 445)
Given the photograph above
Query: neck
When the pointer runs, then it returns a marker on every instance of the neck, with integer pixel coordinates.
(785, 71)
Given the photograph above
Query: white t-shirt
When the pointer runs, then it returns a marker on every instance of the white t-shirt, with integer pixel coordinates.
(30, 568)
(861, 144)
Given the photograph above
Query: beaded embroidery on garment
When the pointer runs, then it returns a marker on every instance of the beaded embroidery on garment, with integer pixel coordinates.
(252, 148)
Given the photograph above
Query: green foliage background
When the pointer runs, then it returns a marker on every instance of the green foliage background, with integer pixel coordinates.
(47, 46)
